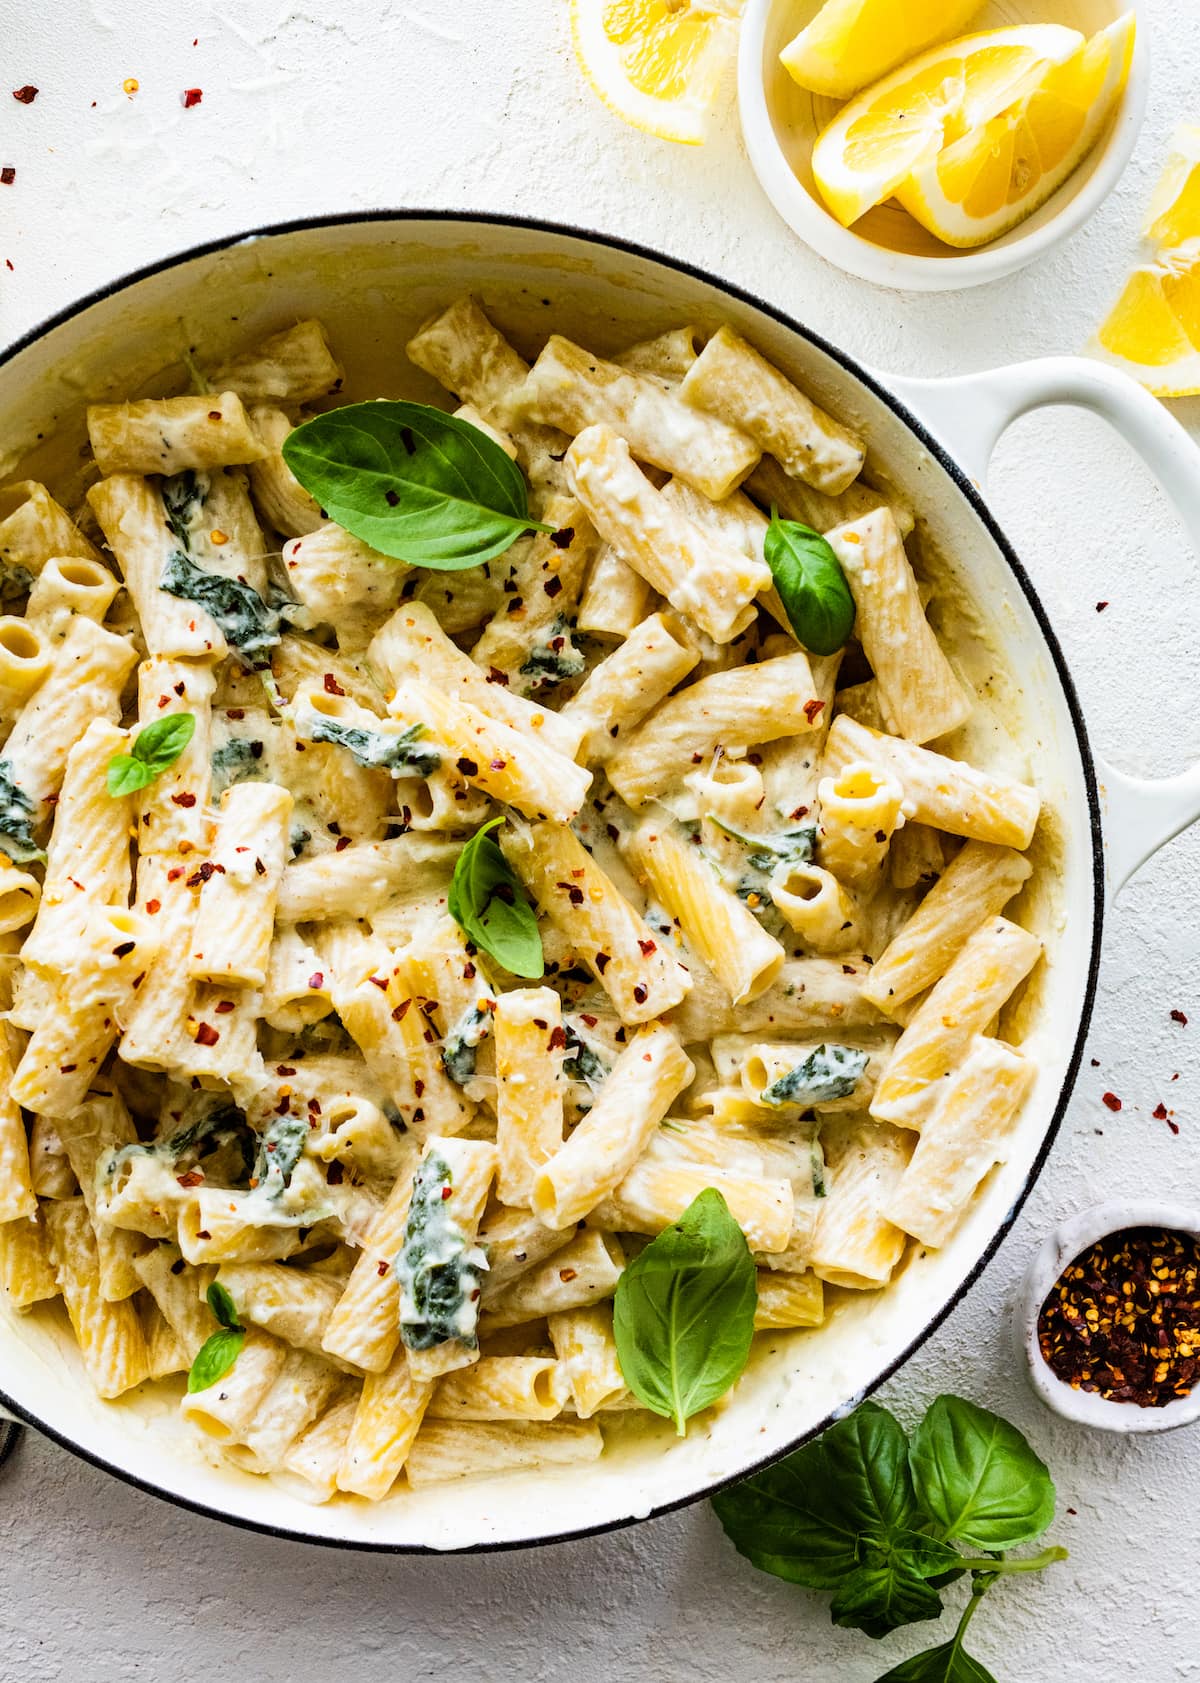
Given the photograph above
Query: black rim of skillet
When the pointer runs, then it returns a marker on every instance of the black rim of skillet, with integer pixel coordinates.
(467, 218)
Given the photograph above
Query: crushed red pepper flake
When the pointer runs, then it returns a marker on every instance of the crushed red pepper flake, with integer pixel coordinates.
(1123, 1318)
(26, 95)
(1100, 607)
(8, 175)
(1178, 1017)
(1111, 1100)
(192, 96)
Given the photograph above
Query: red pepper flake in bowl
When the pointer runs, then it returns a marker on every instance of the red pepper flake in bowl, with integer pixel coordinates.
(1123, 1319)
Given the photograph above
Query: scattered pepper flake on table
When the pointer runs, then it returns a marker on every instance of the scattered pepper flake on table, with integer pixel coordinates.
(1100, 607)
(1123, 1319)
(27, 94)
(8, 175)
(192, 96)
(1111, 1100)
(1178, 1017)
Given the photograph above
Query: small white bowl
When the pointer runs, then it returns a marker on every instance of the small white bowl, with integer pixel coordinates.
(780, 122)
(1062, 1246)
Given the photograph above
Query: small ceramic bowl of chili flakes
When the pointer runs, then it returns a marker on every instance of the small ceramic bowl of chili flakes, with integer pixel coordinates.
(1111, 1317)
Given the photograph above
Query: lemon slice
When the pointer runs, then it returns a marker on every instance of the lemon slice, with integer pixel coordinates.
(851, 43)
(1174, 214)
(987, 182)
(1153, 332)
(656, 63)
(900, 124)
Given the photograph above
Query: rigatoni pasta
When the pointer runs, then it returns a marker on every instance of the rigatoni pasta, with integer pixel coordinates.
(278, 1043)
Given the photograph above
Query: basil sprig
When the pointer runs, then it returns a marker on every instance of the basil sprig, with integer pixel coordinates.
(218, 1353)
(413, 482)
(684, 1312)
(870, 1515)
(154, 750)
(811, 585)
(488, 904)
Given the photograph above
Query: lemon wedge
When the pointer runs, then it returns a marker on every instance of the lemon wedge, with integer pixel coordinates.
(1153, 332)
(987, 182)
(656, 63)
(901, 123)
(852, 43)
(1174, 214)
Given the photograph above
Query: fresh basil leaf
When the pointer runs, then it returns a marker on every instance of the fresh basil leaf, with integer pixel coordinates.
(684, 1312)
(248, 624)
(928, 1557)
(977, 1477)
(867, 1458)
(803, 1518)
(413, 482)
(17, 817)
(222, 1306)
(215, 1357)
(946, 1664)
(882, 1594)
(488, 904)
(125, 775)
(811, 585)
(785, 1522)
(218, 1353)
(154, 750)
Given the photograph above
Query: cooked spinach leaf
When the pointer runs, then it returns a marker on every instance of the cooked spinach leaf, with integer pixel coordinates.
(399, 755)
(789, 847)
(438, 1268)
(280, 1147)
(184, 495)
(581, 1062)
(828, 1073)
(462, 1042)
(17, 818)
(248, 624)
(239, 760)
(554, 660)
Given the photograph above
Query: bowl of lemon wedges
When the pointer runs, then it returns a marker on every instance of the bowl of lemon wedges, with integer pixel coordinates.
(933, 144)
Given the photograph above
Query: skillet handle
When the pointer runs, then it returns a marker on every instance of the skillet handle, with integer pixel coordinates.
(970, 413)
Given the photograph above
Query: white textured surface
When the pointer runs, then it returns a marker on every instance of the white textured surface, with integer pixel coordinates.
(356, 103)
